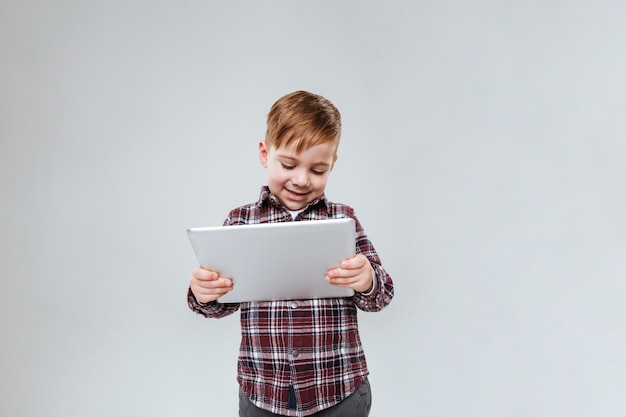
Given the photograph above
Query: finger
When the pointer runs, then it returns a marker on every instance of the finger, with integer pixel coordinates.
(205, 296)
(219, 283)
(358, 283)
(343, 272)
(356, 262)
(220, 287)
(225, 282)
(334, 273)
(205, 274)
(341, 281)
(212, 292)
(209, 285)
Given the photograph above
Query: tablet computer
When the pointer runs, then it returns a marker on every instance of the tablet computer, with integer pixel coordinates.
(276, 261)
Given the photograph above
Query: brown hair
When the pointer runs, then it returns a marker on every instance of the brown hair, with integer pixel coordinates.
(304, 119)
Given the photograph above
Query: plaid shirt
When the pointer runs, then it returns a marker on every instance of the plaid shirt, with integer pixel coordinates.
(299, 357)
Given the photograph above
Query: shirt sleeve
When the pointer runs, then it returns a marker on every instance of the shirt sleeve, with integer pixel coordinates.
(211, 309)
(382, 291)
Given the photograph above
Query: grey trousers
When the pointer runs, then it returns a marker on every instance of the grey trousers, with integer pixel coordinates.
(358, 404)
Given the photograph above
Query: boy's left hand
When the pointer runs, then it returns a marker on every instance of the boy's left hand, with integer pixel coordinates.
(355, 273)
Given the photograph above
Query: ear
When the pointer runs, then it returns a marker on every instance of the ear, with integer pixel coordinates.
(263, 153)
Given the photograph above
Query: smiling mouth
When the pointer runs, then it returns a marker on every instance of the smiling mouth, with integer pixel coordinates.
(295, 193)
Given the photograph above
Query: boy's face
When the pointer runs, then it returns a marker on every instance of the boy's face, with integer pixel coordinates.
(297, 178)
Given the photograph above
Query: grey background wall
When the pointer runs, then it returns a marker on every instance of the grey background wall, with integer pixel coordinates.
(483, 148)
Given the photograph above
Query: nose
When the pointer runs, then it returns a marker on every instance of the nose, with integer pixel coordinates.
(300, 178)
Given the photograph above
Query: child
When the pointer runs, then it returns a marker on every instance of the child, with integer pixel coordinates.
(300, 357)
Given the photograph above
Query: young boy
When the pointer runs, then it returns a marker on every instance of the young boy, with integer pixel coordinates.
(300, 357)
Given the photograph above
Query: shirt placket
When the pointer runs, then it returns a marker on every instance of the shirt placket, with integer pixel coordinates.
(293, 352)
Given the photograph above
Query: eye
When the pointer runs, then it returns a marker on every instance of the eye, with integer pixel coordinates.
(317, 172)
(287, 166)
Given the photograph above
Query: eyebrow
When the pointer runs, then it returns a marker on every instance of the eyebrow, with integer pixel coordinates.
(315, 164)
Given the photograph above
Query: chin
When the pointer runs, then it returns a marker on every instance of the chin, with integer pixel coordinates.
(295, 207)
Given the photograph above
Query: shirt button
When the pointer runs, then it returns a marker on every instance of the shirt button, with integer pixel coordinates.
(295, 353)
(294, 305)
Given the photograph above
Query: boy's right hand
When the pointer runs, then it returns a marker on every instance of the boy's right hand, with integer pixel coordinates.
(208, 286)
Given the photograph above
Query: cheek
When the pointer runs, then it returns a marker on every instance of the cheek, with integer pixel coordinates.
(319, 182)
(278, 174)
